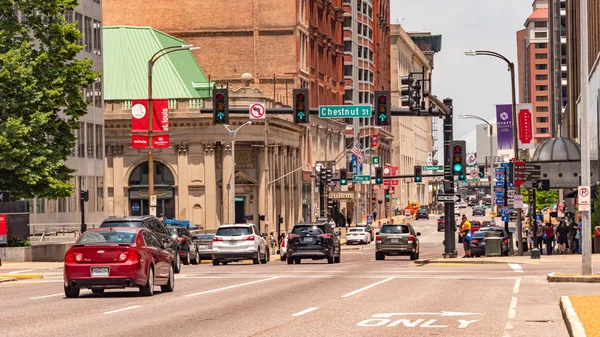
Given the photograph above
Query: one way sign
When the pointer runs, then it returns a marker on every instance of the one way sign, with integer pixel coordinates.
(448, 198)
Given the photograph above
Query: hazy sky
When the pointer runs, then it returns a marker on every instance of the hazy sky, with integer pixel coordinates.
(475, 83)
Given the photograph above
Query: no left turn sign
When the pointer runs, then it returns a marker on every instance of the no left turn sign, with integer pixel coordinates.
(257, 111)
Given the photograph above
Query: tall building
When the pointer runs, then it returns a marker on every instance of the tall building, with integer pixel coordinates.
(413, 136)
(87, 158)
(534, 74)
(570, 119)
(557, 31)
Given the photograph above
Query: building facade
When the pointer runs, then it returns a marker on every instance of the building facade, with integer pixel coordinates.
(87, 158)
(557, 30)
(534, 69)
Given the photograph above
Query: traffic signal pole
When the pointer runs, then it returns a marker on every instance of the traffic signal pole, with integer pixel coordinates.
(449, 221)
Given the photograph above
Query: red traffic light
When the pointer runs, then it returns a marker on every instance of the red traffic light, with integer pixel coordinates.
(300, 97)
(382, 99)
(457, 148)
(219, 97)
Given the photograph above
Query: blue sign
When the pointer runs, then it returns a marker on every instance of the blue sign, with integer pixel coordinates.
(499, 170)
(505, 211)
(507, 165)
(538, 217)
(499, 177)
(499, 194)
(135, 207)
(499, 184)
(499, 201)
(354, 164)
(369, 219)
(510, 185)
(505, 218)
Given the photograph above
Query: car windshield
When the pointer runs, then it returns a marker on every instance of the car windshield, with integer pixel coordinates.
(138, 224)
(397, 229)
(308, 230)
(356, 230)
(203, 237)
(173, 231)
(233, 231)
(107, 237)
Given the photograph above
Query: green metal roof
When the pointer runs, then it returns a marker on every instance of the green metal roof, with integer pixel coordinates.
(434, 41)
(127, 50)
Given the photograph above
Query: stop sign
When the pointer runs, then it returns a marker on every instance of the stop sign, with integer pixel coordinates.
(525, 126)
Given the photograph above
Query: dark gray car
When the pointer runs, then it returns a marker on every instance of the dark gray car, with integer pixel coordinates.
(398, 239)
(313, 241)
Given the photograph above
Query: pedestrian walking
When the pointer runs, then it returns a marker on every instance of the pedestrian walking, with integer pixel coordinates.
(563, 232)
(549, 238)
(465, 231)
(349, 219)
(374, 215)
(272, 243)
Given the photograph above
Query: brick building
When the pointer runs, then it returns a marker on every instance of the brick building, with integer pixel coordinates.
(283, 44)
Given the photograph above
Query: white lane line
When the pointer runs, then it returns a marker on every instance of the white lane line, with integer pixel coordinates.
(512, 310)
(53, 295)
(516, 267)
(20, 271)
(304, 312)
(367, 287)
(231, 287)
(123, 309)
(517, 285)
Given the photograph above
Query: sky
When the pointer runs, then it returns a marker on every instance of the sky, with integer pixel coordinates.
(476, 84)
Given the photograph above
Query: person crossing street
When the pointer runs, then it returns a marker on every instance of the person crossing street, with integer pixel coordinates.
(465, 232)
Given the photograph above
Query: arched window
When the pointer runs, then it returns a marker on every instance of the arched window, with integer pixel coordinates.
(162, 175)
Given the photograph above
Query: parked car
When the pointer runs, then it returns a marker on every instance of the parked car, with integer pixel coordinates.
(441, 223)
(478, 244)
(118, 257)
(187, 252)
(505, 238)
(422, 214)
(397, 240)
(475, 225)
(204, 243)
(155, 225)
(283, 249)
(358, 235)
(233, 243)
(313, 241)
(478, 211)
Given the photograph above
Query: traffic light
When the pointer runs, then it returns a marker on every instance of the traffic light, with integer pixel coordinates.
(343, 177)
(328, 176)
(384, 111)
(379, 175)
(458, 150)
(418, 174)
(481, 171)
(220, 106)
(300, 106)
(84, 195)
(411, 92)
(387, 195)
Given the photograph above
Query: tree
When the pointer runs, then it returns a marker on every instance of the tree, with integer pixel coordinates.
(40, 96)
(542, 198)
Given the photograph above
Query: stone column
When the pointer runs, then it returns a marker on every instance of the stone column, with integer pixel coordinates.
(182, 182)
(263, 181)
(225, 189)
(121, 201)
(211, 214)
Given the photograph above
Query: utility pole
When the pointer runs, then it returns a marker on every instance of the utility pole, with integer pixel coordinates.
(449, 221)
(231, 184)
(586, 230)
(266, 176)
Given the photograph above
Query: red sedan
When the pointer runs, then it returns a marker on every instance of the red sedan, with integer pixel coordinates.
(105, 258)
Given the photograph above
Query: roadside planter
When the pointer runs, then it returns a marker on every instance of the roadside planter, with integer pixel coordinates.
(43, 252)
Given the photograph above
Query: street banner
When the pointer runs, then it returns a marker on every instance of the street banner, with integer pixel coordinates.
(161, 141)
(525, 125)
(504, 126)
(139, 141)
(354, 164)
(160, 116)
(3, 229)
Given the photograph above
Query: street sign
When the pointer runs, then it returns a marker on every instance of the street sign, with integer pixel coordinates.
(499, 170)
(375, 160)
(499, 201)
(4, 196)
(345, 111)
(584, 198)
(518, 201)
(369, 219)
(257, 111)
(448, 198)
(153, 201)
(511, 193)
(505, 211)
(152, 211)
(505, 218)
(432, 167)
(499, 177)
(506, 165)
(499, 184)
(474, 174)
(519, 173)
(499, 194)
(538, 217)
(542, 185)
(361, 178)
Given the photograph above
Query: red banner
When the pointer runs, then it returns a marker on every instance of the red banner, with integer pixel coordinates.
(3, 229)
(160, 116)
(386, 182)
(139, 141)
(161, 141)
(525, 126)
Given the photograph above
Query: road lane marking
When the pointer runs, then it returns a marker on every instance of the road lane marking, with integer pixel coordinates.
(231, 287)
(20, 271)
(367, 287)
(123, 309)
(512, 310)
(53, 295)
(516, 267)
(304, 312)
(516, 286)
(443, 313)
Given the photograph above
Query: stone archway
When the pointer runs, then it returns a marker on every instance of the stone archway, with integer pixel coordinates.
(164, 182)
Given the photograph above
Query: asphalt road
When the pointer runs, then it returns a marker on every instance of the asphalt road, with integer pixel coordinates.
(358, 297)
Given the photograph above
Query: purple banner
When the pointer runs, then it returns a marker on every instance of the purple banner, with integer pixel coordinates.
(504, 126)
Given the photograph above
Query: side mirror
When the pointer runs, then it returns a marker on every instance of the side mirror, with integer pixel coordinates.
(418, 233)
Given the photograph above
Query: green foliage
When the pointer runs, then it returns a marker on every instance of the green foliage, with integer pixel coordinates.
(542, 198)
(595, 215)
(40, 97)
(16, 242)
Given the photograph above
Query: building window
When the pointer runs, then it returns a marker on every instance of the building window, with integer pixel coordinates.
(541, 77)
(541, 35)
(99, 142)
(370, 12)
(90, 140)
(360, 74)
(541, 130)
(75, 197)
(541, 98)
(541, 87)
(347, 22)
(302, 7)
(98, 92)
(348, 46)
(100, 194)
(541, 56)
(348, 70)
(79, 20)
(370, 34)
(541, 109)
(371, 77)
(360, 51)
(365, 29)
(81, 141)
(62, 205)
(348, 93)
(69, 16)
(97, 37)
(40, 205)
(370, 55)
(541, 45)
(359, 28)
(364, 8)
(541, 66)
(87, 34)
(541, 24)
(541, 119)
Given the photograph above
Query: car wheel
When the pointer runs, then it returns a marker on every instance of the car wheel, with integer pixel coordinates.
(215, 262)
(290, 261)
(337, 259)
(167, 288)
(413, 256)
(330, 259)
(148, 289)
(298, 261)
(177, 263)
(225, 263)
(379, 256)
(283, 258)
(71, 292)
(196, 258)
(265, 257)
(186, 259)
(98, 291)
(256, 260)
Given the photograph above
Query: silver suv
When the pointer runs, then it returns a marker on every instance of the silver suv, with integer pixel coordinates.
(398, 239)
(237, 242)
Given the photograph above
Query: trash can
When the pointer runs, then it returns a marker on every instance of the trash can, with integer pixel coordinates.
(493, 244)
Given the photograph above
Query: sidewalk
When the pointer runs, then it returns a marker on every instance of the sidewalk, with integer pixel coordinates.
(581, 315)
(545, 259)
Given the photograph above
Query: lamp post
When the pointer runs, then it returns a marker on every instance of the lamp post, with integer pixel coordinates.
(151, 62)
(231, 184)
(491, 155)
(511, 68)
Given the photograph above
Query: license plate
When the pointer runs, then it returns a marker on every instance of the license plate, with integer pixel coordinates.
(394, 240)
(202, 247)
(307, 240)
(100, 271)
(232, 243)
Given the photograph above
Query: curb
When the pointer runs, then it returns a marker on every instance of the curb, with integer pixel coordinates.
(22, 276)
(6, 279)
(571, 319)
(456, 261)
(557, 277)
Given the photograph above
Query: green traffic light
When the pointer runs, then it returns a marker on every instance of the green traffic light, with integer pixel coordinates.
(457, 167)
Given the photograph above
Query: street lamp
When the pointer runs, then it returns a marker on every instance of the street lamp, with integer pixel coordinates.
(491, 154)
(511, 68)
(231, 184)
(153, 59)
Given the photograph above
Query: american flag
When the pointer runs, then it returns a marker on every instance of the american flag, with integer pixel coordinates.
(358, 154)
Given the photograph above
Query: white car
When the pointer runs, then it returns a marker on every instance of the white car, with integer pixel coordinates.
(456, 211)
(359, 235)
(238, 242)
(283, 249)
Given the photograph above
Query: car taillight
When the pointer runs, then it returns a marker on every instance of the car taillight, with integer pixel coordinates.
(249, 238)
(505, 241)
(378, 238)
(326, 236)
(131, 255)
(411, 239)
(217, 239)
(474, 241)
(181, 239)
(294, 236)
(70, 256)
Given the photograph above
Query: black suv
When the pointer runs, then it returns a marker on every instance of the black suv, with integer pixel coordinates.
(188, 251)
(153, 224)
(314, 241)
(422, 214)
